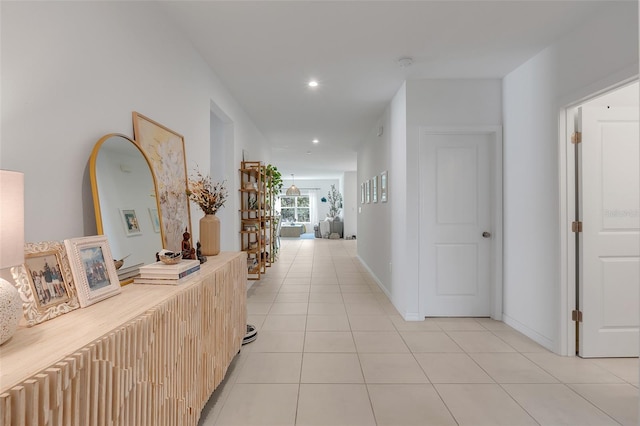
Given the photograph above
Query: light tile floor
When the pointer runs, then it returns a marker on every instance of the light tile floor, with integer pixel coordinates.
(332, 350)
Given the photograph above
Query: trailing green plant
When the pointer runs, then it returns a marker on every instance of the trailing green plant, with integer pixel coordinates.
(335, 202)
(274, 183)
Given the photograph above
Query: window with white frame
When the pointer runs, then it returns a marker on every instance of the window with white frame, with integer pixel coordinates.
(295, 209)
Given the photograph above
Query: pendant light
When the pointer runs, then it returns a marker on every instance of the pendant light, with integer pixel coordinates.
(293, 190)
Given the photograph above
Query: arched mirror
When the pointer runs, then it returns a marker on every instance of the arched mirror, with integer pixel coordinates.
(125, 200)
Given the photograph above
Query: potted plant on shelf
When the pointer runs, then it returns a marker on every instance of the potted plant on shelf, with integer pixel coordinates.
(210, 197)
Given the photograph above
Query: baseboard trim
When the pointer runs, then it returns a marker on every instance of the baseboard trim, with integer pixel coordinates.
(407, 316)
(532, 334)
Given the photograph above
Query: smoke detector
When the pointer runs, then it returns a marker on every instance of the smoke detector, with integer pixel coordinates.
(405, 61)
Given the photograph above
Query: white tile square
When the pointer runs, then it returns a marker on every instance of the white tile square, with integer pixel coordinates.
(258, 308)
(292, 297)
(334, 405)
(331, 368)
(326, 308)
(572, 369)
(379, 342)
(619, 401)
(327, 323)
(271, 368)
(278, 341)
(511, 368)
(519, 341)
(429, 341)
(482, 405)
(554, 404)
(415, 405)
(285, 323)
(271, 404)
(291, 308)
(371, 323)
(479, 341)
(329, 341)
(452, 368)
(326, 298)
(391, 368)
(365, 308)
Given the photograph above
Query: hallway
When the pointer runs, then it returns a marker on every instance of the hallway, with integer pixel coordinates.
(332, 350)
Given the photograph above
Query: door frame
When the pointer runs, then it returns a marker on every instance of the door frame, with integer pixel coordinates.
(496, 271)
(568, 250)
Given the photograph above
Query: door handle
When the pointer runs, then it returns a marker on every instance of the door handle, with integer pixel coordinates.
(486, 234)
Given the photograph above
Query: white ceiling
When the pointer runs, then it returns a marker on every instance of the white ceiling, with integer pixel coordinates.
(266, 51)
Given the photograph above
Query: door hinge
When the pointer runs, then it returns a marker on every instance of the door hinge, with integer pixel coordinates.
(576, 315)
(576, 137)
(576, 226)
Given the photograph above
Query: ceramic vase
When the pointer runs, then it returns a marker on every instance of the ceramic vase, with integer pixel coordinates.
(210, 235)
(10, 310)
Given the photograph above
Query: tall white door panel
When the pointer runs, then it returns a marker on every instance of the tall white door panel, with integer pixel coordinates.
(455, 226)
(610, 238)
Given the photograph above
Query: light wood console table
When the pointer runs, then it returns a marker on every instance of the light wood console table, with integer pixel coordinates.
(151, 355)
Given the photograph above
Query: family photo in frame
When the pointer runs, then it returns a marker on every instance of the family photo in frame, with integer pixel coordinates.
(93, 268)
(45, 282)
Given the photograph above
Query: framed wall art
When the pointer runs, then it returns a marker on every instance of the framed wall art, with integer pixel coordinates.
(94, 271)
(45, 282)
(130, 222)
(362, 193)
(367, 190)
(383, 186)
(374, 188)
(155, 219)
(165, 150)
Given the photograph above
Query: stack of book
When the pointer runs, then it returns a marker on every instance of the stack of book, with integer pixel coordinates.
(160, 273)
(129, 272)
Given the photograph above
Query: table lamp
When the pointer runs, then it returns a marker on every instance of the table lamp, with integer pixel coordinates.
(11, 248)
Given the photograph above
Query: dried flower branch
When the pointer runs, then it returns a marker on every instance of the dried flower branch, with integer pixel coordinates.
(209, 196)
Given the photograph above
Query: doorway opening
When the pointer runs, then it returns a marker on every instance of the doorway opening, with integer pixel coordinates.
(460, 271)
(223, 168)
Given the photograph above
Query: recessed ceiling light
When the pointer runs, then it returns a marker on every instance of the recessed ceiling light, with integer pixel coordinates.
(313, 83)
(316, 141)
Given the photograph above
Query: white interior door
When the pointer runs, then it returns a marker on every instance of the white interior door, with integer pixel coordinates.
(610, 240)
(455, 211)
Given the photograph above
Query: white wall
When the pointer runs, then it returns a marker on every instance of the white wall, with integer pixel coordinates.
(74, 71)
(590, 59)
(374, 219)
(351, 195)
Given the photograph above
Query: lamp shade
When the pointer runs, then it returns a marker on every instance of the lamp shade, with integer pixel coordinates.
(11, 218)
(293, 191)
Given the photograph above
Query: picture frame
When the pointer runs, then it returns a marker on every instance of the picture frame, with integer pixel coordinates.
(93, 269)
(367, 191)
(383, 186)
(45, 282)
(130, 222)
(374, 188)
(166, 153)
(362, 193)
(155, 220)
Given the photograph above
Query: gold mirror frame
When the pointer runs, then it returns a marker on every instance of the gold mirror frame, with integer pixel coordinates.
(111, 220)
